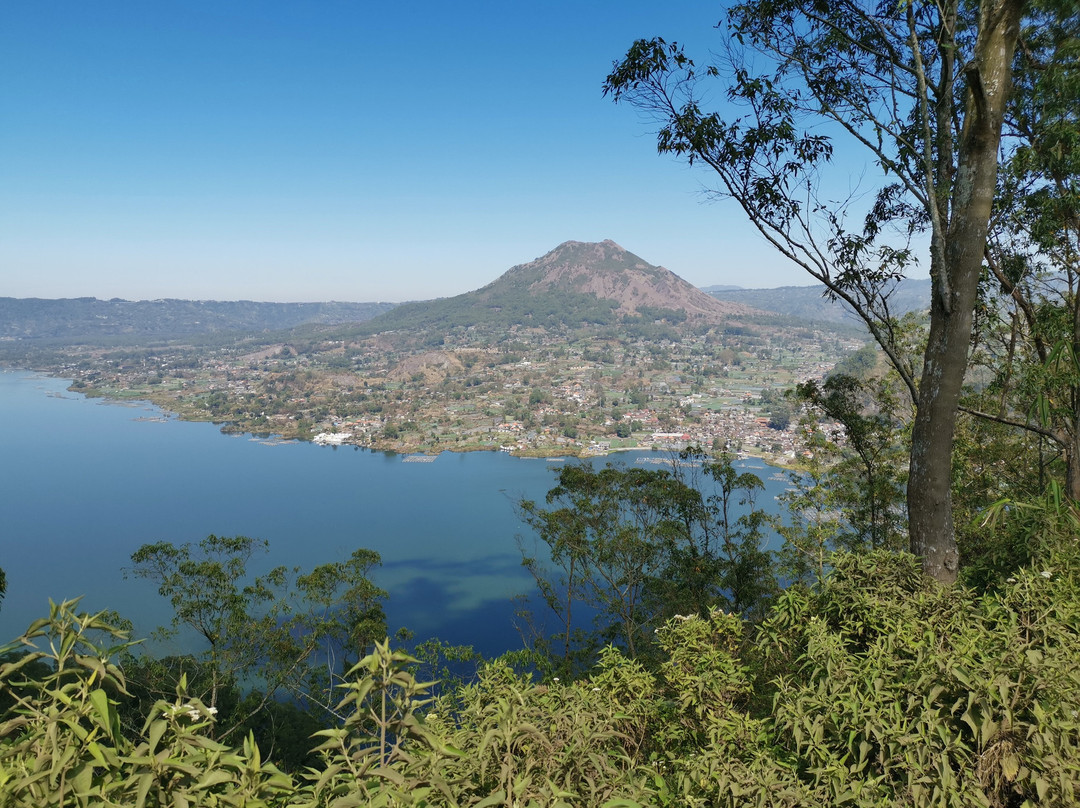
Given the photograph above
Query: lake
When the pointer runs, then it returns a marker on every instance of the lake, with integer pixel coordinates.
(85, 482)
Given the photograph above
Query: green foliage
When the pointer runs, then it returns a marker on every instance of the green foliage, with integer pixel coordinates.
(674, 316)
(631, 547)
(814, 523)
(868, 470)
(498, 306)
(901, 689)
(1029, 304)
(209, 593)
(282, 728)
(554, 744)
(861, 363)
(1014, 533)
(886, 689)
(605, 551)
(61, 742)
(285, 631)
(383, 754)
(712, 556)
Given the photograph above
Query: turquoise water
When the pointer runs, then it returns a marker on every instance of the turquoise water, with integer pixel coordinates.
(84, 482)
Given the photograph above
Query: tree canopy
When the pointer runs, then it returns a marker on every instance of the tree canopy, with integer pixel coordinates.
(922, 88)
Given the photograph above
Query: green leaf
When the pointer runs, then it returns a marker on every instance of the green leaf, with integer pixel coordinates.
(1042, 788)
(145, 781)
(157, 729)
(1010, 766)
(212, 778)
(106, 714)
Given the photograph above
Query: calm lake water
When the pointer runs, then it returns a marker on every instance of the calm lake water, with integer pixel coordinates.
(84, 482)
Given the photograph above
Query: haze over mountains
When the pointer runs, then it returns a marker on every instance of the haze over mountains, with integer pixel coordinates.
(809, 302)
(87, 318)
(576, 284)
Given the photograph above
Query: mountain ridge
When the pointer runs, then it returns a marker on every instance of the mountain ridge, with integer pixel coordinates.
(811, 303)
(575, 284)
(87, 318)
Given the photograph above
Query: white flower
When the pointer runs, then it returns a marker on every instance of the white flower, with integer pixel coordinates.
(1010, 580)
(1045, 574)
(555, 679)
(194, 714)
(211, 710)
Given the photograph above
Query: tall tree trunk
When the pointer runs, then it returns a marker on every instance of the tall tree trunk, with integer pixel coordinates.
(929, 493)
(1072, 431)
(1072, 463)
(955, 272)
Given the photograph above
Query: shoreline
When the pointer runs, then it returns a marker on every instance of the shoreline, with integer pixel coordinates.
(168, 412)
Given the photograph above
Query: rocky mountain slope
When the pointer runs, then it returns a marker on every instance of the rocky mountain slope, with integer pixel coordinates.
(577, 283)
(610, 272)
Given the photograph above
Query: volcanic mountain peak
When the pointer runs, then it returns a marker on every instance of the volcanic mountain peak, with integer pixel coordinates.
(610, 272)
(577, 283)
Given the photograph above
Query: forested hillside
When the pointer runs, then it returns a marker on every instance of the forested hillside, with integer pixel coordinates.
(86, 319)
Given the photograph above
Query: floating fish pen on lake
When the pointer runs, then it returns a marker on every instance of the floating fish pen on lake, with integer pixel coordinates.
(424, 458)
(668, 461)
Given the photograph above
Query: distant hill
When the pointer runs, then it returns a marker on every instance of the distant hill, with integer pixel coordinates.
(87, 318)
(577, 283)
(810, 303)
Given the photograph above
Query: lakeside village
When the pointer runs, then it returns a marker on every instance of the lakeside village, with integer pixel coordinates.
(531, 397)
(737, 429)
(577, 410)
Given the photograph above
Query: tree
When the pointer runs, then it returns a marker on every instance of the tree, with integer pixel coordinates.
(602, 535)
(206, 586)
(866, 478)
(746, 580)
(340, 613)
(814, 526)
(923, 88)
(1031, 334)
(634, 547)
(265, 632)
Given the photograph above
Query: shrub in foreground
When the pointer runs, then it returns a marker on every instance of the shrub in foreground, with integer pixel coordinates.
(880, 688)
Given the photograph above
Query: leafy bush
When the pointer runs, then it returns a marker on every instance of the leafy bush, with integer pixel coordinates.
(61, 744)
(886, 689)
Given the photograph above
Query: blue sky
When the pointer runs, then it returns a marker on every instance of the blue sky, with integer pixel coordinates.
(301, 151)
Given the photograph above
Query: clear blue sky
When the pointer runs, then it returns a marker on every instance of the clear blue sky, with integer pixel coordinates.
(336, 150)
